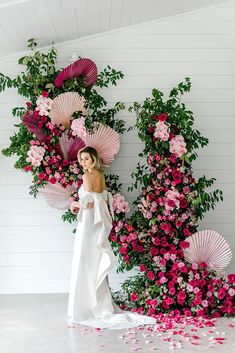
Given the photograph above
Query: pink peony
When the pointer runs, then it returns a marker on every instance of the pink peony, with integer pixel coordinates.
(78, 127)
(35, 155)
(178, 146)
(162, 131)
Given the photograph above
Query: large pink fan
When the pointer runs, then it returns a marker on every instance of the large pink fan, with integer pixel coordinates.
(57, 196)
(70, 146)
(105, 140)
(30, 120)
(84, 68)
(64, 105)
(210, 247)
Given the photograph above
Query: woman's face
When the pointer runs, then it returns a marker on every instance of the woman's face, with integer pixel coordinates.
(86, 160)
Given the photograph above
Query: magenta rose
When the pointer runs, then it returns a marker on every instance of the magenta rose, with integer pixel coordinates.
(150, 275)
(221, 293)
(181, 297)
(231, 278)
(142, 267)
(134, 296)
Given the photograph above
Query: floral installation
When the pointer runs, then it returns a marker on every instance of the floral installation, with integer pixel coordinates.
(167, 211)
(63, 113)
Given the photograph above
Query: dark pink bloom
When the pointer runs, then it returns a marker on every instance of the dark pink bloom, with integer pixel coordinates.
(150, 275)
(134, 296)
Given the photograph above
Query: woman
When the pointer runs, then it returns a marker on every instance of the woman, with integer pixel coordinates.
(90, 300)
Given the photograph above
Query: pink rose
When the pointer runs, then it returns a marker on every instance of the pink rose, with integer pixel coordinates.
(178, 146)
(162, 131)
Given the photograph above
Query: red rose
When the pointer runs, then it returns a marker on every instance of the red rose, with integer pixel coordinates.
(166, 227)
(65, 163)
(52, 180)
(177, 176)
(150, 275)
(156, 241)
(231, 278)
(155, 117)
(173, 158)
(169, 301)
(44, 94)
(203, 265)
(29, 104)
(142, 267)
(186, 231)
(134, 296)
(151, 129)
(183, 203)
(181, 297)
(221, 293)
(162, 117)
(41, 176)
(28, 167)
(154, 251)
(184, 244)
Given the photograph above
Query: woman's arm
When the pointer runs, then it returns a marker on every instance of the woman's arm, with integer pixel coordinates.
(88, 187)
(75, 207)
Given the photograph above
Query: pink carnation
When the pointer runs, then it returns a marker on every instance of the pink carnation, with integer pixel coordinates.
(162, 131)
(35, 155)
(178, 146)
(78, 127)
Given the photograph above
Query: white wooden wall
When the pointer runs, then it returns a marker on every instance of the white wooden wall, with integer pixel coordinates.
(35, 245)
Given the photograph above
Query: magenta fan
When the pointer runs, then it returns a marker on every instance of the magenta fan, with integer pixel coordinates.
(64, 105)
(210, 247)
(31, 122)
(105, 140)
(57, 196)
(70, 146)
(84, 68)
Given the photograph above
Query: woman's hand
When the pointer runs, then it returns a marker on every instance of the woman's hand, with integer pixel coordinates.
(75, 207)
(90, 205)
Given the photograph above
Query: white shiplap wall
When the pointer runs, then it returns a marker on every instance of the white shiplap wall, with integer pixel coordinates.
(35, 245)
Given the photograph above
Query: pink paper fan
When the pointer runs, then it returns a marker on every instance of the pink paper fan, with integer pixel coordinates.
(84, 68)
(31, 122)
(105, 140)
(57, 196)
(210, 247)
(64, 105)
(70, 146)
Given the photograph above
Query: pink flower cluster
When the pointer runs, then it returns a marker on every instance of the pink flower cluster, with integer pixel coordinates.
(162, 131)
(120, 205)
(35, 155)
(44, 104)
(78, 127)
(178, 146)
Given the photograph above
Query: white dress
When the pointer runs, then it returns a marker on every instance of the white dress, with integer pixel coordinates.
(90, 301)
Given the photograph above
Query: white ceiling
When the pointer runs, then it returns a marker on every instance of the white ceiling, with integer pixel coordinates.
(61, 20)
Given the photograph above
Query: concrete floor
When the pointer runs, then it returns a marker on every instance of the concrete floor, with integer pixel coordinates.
(36, 323)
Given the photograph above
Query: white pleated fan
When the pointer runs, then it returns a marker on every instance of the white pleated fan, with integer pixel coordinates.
(64, 105)
(210, 247)
(105, 140)
(57, 196)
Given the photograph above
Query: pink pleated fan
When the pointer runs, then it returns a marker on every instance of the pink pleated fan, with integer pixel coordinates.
(84, 68)
(57, 196)
(31, 122)
(64, 105)
(210, 247)
(105, 140)
(70, 146)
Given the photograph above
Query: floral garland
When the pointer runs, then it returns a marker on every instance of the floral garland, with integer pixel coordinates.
(154, 239)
